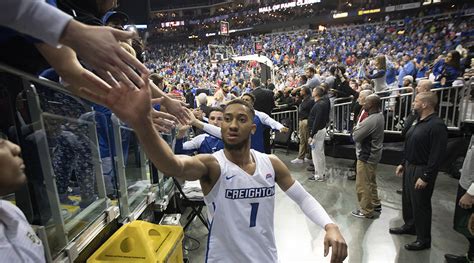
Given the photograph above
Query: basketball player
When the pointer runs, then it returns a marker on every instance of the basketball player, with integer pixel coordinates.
(238, 183)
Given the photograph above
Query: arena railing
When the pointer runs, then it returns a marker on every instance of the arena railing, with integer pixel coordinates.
(290, 113)
(454, 107)
(341, 116)
(58, 133)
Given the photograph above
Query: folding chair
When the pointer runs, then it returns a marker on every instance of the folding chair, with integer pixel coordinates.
(195, 205)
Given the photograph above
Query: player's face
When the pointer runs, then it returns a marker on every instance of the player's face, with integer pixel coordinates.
(247, 99)
(12, 174)
(237, 126)
(215, 118)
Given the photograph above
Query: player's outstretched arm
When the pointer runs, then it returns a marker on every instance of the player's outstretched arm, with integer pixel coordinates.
(312, 209)
(133, 106)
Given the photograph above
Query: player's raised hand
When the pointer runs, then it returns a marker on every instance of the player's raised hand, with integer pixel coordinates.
(131, 105)
(335, 240)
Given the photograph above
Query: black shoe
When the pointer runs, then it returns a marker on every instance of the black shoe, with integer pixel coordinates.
(418, 245)
(399, 191)
(456, 259)
(351, 177)
(403, 230)
(378, 208)
(310, 168)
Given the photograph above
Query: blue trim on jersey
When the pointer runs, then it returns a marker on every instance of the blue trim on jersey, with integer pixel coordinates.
(209, 236)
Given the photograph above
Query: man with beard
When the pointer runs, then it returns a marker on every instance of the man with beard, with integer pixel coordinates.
(238, 183)
(425, 144)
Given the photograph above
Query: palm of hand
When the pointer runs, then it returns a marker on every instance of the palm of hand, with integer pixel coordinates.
(130, 105)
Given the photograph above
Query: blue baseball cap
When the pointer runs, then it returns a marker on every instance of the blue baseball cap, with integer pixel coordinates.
(115, 15)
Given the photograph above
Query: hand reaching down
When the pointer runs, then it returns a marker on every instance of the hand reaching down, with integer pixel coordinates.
(98, 46)
(163, 122)
(174, 107)
(337, 243)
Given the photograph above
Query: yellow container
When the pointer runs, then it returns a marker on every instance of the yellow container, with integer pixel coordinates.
(141, 241)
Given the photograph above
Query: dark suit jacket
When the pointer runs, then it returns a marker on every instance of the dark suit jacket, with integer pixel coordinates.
(264, 100)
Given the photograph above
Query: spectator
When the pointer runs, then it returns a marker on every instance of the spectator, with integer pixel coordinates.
(317, 121)
(368, 136)
(96, 45)
(407, 68)
(303, 129)
(264, 102)
(446, 71)
(378, 76)
(425, 145)
(464, 206)
(19, 242)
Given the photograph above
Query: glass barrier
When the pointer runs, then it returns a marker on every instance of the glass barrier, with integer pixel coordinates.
(134, 180)
(71, 188)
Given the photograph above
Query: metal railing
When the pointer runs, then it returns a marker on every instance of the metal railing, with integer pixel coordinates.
(455, 107)
(290, 113)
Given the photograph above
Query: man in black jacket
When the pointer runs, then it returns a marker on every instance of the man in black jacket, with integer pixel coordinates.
(425, 145)
(264, 102)
(317, 121)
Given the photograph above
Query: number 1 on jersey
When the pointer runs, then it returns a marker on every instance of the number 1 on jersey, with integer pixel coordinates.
(253, 214)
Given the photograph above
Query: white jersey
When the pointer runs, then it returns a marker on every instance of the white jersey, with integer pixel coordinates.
(18, 241)
(240, 212)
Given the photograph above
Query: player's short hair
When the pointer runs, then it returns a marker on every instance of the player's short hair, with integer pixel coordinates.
(219, 109)
(250, 108)
(250, 95)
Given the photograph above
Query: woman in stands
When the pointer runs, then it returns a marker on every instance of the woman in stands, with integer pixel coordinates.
(448, 70)
(378, 74)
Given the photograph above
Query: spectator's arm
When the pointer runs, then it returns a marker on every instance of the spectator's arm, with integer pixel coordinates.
(65, 63)
(35, 18)
(376, 75)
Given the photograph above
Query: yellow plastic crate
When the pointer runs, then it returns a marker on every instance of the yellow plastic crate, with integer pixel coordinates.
(141, 241)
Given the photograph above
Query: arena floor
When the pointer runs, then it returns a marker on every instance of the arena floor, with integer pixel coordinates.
(299, 240)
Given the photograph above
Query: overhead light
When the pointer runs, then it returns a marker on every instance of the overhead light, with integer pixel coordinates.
(340, 15)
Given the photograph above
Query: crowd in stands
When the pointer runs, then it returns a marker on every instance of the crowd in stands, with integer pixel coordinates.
(242, 17)
(371, 56)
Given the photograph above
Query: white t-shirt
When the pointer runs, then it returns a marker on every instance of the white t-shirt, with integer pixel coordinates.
(18, 241)
(241, 212)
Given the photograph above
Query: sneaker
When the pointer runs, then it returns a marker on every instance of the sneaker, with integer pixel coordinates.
(359, 214)
(320, 178)
(297, 161)
(378, 208)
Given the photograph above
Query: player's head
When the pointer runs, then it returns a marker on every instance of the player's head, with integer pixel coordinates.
(216, 115)
(238, 124)
(249, 98)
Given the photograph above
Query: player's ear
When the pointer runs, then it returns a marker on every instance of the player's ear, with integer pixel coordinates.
(254, 129)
